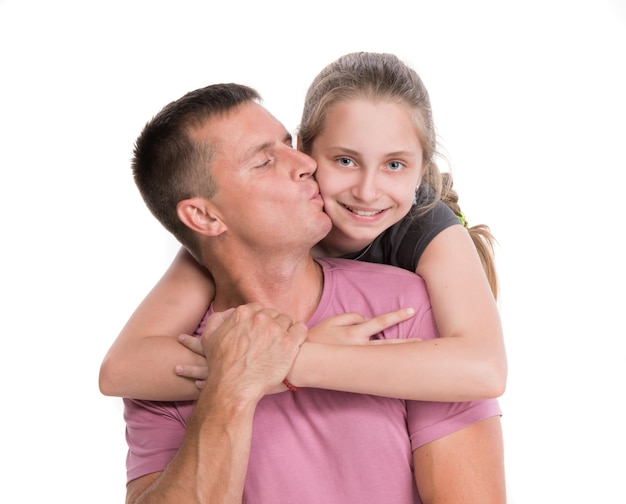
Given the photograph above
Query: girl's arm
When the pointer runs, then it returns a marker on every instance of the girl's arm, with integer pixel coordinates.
(140, 363)
(464, 307)
(468, 361)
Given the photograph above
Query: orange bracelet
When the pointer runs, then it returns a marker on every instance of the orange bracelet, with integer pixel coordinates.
(291, 387)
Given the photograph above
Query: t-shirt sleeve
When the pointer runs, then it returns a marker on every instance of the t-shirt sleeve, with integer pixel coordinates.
(428, 421)
(154, 433)
(420, 231)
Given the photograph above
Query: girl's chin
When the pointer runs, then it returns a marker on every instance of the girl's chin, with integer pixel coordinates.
(363, 238)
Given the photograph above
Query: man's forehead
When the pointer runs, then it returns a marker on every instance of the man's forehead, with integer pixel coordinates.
(245, 127)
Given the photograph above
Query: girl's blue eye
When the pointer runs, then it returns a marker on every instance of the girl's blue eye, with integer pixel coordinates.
(395, 165)
(344, 161)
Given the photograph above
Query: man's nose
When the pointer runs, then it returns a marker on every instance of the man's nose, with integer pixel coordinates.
(303, 164)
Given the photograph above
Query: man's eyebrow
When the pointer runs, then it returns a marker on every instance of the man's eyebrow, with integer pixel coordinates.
(253, 151)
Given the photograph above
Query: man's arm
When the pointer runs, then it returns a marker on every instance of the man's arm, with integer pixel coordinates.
(466, 466)
(211, 464)
(249, 354)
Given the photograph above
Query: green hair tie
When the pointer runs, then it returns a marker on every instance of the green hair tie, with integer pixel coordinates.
(462, 219)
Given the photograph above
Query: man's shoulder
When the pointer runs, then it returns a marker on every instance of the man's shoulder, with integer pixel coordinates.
(368, 270)
(373, 289)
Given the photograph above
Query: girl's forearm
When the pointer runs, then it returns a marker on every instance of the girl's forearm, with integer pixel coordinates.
(443, 369)
(144, 369)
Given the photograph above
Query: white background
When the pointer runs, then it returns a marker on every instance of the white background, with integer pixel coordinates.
(529, 99)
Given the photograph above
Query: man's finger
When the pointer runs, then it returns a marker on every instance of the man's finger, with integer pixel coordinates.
(217, 319)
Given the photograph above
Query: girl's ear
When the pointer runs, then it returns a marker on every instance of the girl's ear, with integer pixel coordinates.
(200, 215)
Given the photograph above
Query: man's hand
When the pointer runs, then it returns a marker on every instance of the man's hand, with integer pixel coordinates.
(252, 349)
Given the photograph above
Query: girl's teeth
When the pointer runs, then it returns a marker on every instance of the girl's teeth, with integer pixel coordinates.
(363, 213)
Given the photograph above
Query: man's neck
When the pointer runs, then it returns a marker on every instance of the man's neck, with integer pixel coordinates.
(293, 287)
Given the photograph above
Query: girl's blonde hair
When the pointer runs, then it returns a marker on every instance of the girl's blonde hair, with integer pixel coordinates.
(384, 77)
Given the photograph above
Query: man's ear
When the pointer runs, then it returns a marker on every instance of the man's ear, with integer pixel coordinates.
(199, 215)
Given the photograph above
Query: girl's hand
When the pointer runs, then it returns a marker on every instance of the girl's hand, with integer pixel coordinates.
(355, 329)
(199, 373)
(196, 373)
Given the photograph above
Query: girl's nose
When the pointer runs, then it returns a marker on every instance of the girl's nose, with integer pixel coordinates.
(366, 189)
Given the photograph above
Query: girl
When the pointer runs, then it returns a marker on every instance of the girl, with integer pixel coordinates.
(367, 122)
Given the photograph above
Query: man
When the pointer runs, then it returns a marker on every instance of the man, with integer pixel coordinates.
(220, 173)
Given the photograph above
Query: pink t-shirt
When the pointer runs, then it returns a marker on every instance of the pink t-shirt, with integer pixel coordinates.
(319, 446)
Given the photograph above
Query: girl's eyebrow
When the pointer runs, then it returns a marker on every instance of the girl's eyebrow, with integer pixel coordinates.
(351, 152)
(401, 153)
(344, 150)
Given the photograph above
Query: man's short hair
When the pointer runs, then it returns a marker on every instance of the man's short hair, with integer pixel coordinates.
(170, 165)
